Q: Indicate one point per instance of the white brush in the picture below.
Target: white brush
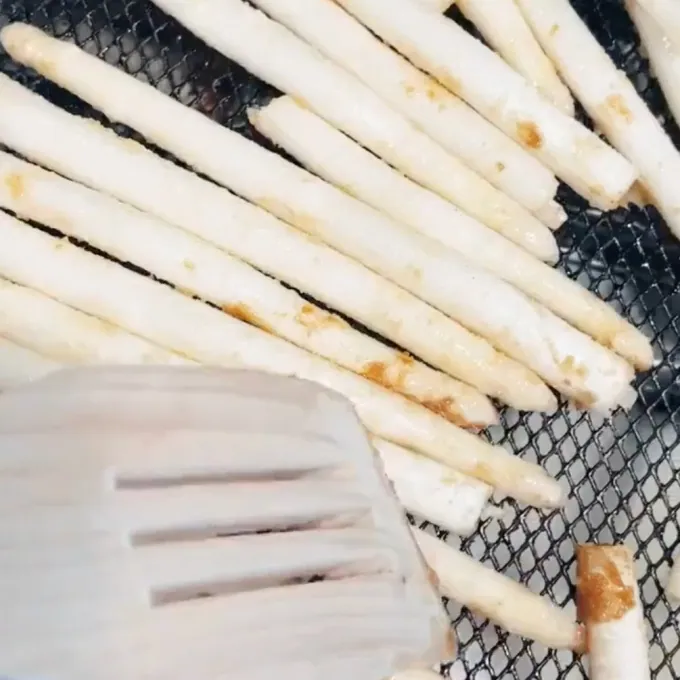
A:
(157, 538)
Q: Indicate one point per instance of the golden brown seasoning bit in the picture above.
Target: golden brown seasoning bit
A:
(500, 166)
(438, 95)
(616, 104)
(429, 88)
(16, 185)
(452, 84)
(602, 595)
(571, 368)
(529, 134)
(553, 29)
(315, 319)
(377, 372)
(188, 265)
(584, 400)
(391, 375)
(244, 313)
(303, 221)
(406, 360)
(447, 408)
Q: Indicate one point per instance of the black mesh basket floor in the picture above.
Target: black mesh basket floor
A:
(622, 472)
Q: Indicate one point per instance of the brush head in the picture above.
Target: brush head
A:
(164, 523)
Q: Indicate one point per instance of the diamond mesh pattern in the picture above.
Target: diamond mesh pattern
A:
(623, 472)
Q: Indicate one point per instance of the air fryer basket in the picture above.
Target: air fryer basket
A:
(622, 472)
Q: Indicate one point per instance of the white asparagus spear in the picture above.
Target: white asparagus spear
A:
(480, 77)
(166, 317)
(88, 153)
(609, 606)
(503, 601)
(338, 159)
(194, 266)
(19, 365)
(663, 53)
(278, 56)
(553, 215)
(501, 24)
(432, 491)
(610, 99)
(666, 14)
(66, 335)
(335, 157)
(419, 97)
(39, 335)
(673, 587)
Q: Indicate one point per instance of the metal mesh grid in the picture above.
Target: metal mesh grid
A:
(622, 472)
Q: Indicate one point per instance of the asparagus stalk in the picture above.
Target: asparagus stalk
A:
(430, 490)
(68, 336)
(497, 597)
